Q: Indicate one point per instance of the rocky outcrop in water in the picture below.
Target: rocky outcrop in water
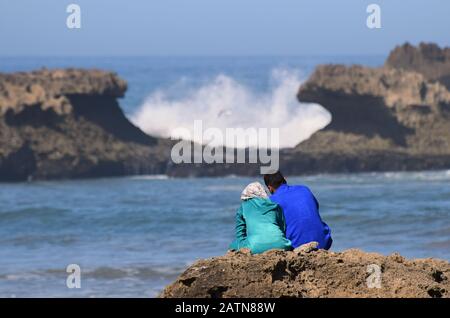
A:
(383, 119)
(308, 273)
(68, 124)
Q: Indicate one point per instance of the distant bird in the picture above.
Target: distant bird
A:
(224, 112)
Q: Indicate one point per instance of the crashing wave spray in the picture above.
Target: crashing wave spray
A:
(225, 103)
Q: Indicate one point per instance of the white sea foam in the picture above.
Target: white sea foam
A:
(151, 177)
(226, 103)
(439, 175)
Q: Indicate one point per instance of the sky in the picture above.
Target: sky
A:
(218, 27)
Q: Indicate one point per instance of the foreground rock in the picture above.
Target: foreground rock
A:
(68, 124)
(307, 273)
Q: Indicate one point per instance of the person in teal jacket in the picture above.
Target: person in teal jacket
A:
(260, 224)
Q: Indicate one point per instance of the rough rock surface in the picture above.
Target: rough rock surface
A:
(382, 119)
(428, 59)
(51, 89)
(399, 108)
(309, 273)
(68, 124)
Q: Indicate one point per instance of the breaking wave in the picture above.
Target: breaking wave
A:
(226, 103)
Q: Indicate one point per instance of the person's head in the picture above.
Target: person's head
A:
(253, 190)
(274, 180)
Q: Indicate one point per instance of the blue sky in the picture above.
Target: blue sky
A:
(218, 27)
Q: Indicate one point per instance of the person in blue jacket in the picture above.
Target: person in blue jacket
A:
(301, 212)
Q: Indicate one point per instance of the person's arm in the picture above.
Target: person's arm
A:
(281, 220)
(317, 206)
(315, 200)
(240, 231)
(241, 228)
(326, 227)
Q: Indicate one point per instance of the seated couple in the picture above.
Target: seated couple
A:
(285, 220)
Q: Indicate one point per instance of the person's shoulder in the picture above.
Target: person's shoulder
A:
(300, 187)
(266, 201)
(257, 200)
(302, 190)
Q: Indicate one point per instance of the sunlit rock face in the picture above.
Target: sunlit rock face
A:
(68, 124)
(427, 58)
(382, 119)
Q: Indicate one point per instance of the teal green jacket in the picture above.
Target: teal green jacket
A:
(260, 226)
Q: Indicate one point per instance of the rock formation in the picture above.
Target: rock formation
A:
(428, 59)
(382, 119)
(308, 273)
(68, 124)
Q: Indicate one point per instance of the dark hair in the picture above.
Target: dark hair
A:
(274, 179)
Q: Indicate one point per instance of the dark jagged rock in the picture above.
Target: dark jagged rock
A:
(428, 59)
(310, 274)
(68, 124)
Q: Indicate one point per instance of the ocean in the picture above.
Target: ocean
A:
(131, 236)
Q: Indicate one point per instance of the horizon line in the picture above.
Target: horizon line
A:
(196, 56)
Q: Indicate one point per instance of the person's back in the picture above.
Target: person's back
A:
(260, 226)
(301, 212)
(265, 225)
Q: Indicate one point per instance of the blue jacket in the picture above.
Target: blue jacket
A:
(301, 212)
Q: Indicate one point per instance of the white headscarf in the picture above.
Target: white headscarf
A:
(253, 190)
